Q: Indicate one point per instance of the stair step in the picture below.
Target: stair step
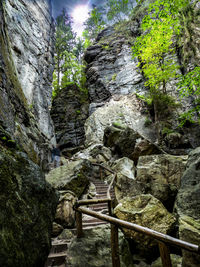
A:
(93, 224)
(57, 255)
(59, 248)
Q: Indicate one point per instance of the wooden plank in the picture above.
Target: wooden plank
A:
(79, 225)
(144, 230)
(115, 246)
(165, 254)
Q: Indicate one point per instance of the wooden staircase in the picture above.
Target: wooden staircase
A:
(59, 248)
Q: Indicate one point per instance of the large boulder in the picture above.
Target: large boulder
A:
(125, 183)
(160, 176)
(28, 205)
(65, 214)
(188, 207)
(119, 111)
(189, 230)
(147, 211)
(74, 176)
(127, 142)
(94, 250)
(95, 153)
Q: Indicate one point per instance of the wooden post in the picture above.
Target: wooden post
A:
(115, 246)
(110, 207)
(165, 254)
(79, 227)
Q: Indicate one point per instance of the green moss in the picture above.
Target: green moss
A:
(106, 47)
(114, 77)
(118, 124)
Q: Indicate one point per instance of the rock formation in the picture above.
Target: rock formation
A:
(28, 202)
(26, 54)
(69, 112)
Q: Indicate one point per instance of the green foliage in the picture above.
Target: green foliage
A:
(116, 9)
(118, 124)
(106, 47)
(94, 25)
(155, 49)
(64, 42)
(147, 99)
(155, 44)
(189, 87)
(114, 77)
(167, 131)
(69, 68)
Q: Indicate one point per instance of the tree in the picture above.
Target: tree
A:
(94, 25)
(164, 24)
(117, 9)
(64, 41)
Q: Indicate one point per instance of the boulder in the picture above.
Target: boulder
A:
(127, 142)
(125, 183)
(120, 111)
(147, 211)
(189, 230)
(72, 177)
(65, 214)
(57, 229)
(95, 153)
(160, 176)
(187, 207)
(93, 250)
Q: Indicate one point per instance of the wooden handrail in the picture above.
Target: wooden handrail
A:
(112, 181)
(110, 186)
(144, 230)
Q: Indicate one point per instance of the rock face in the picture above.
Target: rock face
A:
(27, 206)
(30, 30)
(161, 175)
(119, 111)
(111, 69)
(69, 112)
(25, 56)
(188, 206)
(28, 203)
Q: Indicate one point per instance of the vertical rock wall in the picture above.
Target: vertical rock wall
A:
(27, 202)
(27, 64)
(29, 27)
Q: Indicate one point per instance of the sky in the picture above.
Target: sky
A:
(78, 9)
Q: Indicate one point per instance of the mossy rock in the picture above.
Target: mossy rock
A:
(27, 205)
(73, 176)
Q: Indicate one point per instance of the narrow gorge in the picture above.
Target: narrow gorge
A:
(109, 129)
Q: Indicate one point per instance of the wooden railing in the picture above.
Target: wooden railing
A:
(163, 240)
